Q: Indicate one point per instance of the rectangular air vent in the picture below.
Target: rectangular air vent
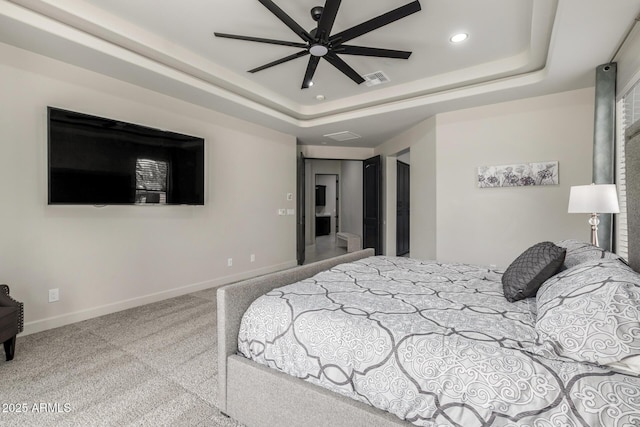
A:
(342, 136)
(376, 78)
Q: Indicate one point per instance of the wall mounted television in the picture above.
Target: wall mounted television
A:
(98, 161)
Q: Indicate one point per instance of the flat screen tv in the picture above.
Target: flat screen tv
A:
(98, 161)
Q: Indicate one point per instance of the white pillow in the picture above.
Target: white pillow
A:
(591, 313)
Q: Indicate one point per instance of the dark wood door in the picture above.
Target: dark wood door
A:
(402, 221)
(372, 209)
(300, 206)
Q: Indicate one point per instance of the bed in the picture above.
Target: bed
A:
(361, 340)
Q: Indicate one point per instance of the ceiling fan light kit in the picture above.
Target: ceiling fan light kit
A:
(319, 43)
(318, 50)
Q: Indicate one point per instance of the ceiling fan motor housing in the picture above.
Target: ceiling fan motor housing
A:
(316, 13)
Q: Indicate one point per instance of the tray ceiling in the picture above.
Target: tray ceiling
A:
(515, 49)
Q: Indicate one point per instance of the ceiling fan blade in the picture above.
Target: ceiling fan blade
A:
(375, 23)
(261, 40)
(288, 21)
(372, 51)
(342, 66)
(280, 61)
(328, 17)
(311, 70)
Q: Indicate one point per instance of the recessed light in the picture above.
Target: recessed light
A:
(459, 38)
(320, 97)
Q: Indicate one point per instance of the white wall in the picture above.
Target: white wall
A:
(628, 61)
(423, 194)
(454, 220)
(351, 183)
(421, 141)
(405, 157)
(389, 204)
(107, 259)
(493, 225)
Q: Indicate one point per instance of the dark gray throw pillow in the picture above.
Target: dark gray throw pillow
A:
(529, 271)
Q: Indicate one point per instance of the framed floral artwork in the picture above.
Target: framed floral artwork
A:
(518, 175)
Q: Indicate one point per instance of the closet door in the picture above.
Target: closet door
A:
(300, 206)
(402, 221)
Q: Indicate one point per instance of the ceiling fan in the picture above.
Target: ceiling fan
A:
(319, 43)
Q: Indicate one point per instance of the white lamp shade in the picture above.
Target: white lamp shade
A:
(594, 198)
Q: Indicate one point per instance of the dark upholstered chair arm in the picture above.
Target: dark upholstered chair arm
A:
(7, 301)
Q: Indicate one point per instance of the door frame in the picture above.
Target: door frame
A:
(372, 219)
(301, 205)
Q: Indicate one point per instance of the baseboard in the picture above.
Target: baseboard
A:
(89, 313)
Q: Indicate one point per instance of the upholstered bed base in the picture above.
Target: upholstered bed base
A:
(259, 396)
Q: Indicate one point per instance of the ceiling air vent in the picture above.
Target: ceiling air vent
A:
(376, 78)
(342, 136)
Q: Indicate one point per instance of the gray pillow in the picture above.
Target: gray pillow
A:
(579, 252)
(529, 271)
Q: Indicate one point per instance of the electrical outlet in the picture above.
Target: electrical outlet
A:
(229, 262)
(54, 295)
(253, 257)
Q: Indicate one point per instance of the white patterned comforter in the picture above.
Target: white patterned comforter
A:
(435, 344)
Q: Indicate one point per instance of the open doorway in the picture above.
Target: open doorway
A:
(335, 206)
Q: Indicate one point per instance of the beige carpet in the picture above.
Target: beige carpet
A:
(154, 365)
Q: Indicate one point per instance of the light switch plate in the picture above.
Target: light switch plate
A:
(54, 295)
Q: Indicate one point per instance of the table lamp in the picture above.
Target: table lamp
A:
(594, 199)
